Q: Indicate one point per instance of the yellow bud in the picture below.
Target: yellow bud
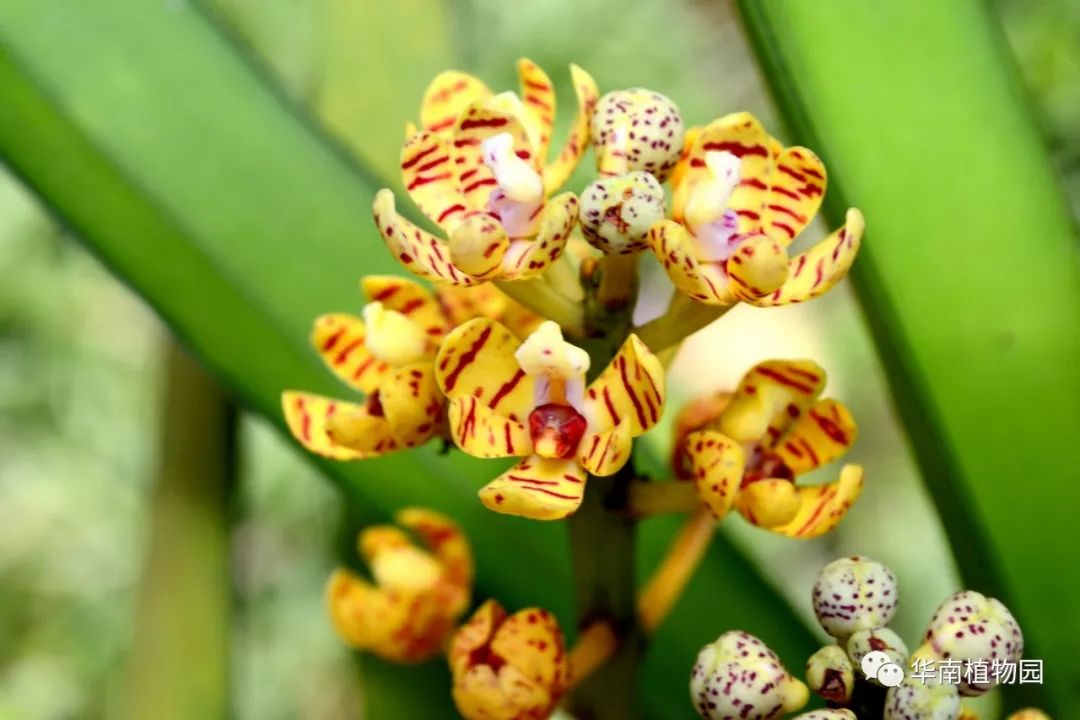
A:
(393, 337)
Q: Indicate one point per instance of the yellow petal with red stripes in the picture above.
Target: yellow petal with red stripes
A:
(427, 172)
(769, 398)
(768, 503)
(533, 643)
(412, 402)
(462, 304)
(447, 97)
(446, 541)
(537, 488)
(742, 135)
(562, 167)
(796, 189)
(475, 125)
(819, 436)
(822, 508)
(631, 388)
(816, 271)
(418, 250)
(538, 97)
(528, 258)
(674, 248)
(758, 267)
(339, 340)
(361, 428)
(604, 453)
(484, 433)
(477, 360)
(306, 416)
(479, 244)
(678, 174)
(409, 298)
(716, 465)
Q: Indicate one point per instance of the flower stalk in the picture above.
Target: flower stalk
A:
(669, 580)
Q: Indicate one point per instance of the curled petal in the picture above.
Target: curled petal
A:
(306, 416)
(674, 248)
(561, 168)
(444, 538)
(716, 465)
(538, 97)
(631, 388)
(604, 453)
(817, 270)
(340, 341)
(474, 634)
(769, 398)
(530, 257)
(447, 97)
(420, 251)
(478, 245)
(484, 433)
(427, 171)
(537, 488)
(411, 299)
(822, 508)
(477, 360)
(769, 502)
(796, 189)
(758, 267)
(533, 641)
(475, 125)
(411, 402)
(742, 135)
(818, 437)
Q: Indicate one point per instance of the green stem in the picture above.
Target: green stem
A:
(545, 300)
(179, 660)
(603, 543)
(683, 319)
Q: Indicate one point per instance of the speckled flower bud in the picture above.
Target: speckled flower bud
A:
(634, 130)
(972, 627)
(830, 674)
(864, 642)
(617, 212)
(837, 714)
(915, 701)
(854, 593)
(738, 676)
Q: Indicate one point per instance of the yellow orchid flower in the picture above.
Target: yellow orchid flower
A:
(774, 428)
(508, 668)
(478, 168)
(509, 398)
(388, 355)
(409, 613)
(740, 198)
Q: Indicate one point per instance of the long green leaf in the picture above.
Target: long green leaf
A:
(969, 279)
(155, 142)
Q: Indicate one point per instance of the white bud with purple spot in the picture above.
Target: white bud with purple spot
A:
(854, 593)
(739, 676)
(837, 714)
(972, 628)
(617, 212)
(637, 129)
(915, 700)
(876, 640)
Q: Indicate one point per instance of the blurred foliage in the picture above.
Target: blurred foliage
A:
(79, 360)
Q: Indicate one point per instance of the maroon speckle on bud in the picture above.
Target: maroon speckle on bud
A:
(556, 430)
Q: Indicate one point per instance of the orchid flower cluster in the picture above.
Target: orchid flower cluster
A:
(861, 674)
(525, 338)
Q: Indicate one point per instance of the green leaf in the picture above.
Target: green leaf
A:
(154, 140)
(969, 279)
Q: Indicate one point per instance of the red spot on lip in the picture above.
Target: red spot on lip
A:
(561, 425)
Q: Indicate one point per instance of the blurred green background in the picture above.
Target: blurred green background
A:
(88, 521)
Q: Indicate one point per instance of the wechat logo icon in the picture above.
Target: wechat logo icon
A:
(877, 665)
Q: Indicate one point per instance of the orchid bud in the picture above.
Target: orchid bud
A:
(918, 701)
(971, 627)
(880, 639)
(830, 674)
(636, 130)
(738, 676)
(617, 212)
(836, 714)
(854, 593)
